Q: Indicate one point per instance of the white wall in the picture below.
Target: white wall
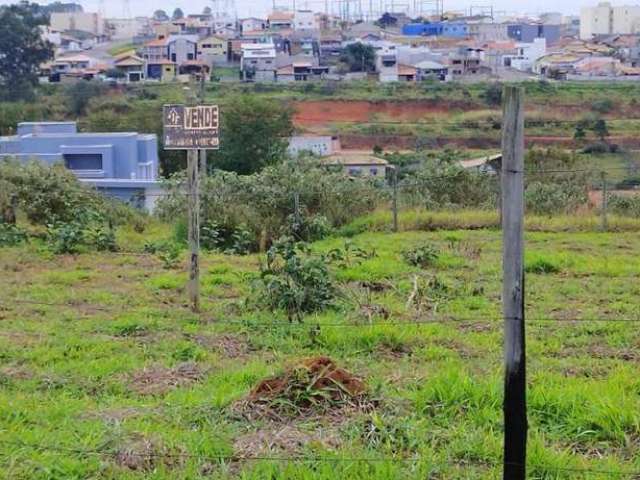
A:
(605, 19)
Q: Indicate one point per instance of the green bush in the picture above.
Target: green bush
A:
(294, 280)
(11, 235)
(549, 198)
(168, 252)
(252, 210)
(628, 206)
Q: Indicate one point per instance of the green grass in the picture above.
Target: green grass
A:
(67, 372)
(120, 49)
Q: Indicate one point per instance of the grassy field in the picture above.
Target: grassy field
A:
(105, 373)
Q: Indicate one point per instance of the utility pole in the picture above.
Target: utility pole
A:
(515, 384)
(605, 201)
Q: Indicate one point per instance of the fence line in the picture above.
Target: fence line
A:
(419, 320)
(302, 459)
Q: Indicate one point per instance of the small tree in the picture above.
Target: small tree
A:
(22, 49)
(160, 16)
(493, 94)
(359, 57)
(600, 129)
(254, 133)
(387, 20)
(177, 14)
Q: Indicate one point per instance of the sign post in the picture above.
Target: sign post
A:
(192, 128)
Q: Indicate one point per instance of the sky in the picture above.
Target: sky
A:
(261, 7)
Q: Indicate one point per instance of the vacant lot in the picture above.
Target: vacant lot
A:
(105, 374)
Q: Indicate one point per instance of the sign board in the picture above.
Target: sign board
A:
(190, 128)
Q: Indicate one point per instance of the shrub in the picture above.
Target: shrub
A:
(294, 280)
(11, 235)
(423, 256)
(549, 198)
(65, 237)
(624, 205)
(493, 94)
(254, 209)
(167, 251)
(603, 105)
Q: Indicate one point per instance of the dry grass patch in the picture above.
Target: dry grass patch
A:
(143, 454)
(158, 379)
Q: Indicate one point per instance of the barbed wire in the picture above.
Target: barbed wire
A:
(303, 459)
(420, 320)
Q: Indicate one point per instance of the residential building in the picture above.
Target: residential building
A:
(279, 21)
(330, 45)
(387, 64)
(606, 19)
(431, 70)
(258, 62)
(527, 32)
(526, 55)
(83, 21)
(132, 66)
(488, 32)
(358, 164)
(182, 48)
(301, 68)
(467, 62)
(155, 50)
(213, 50)
(303, 42)
(445, 29)
(252, 24)
(320, 146)
(74, 63)
(123, 165)
(305, 20)
(163, 70)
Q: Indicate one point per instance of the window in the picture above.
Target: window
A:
(83, 161)
(189, 56)
(373, 172)
(207, 45)
(354, 172)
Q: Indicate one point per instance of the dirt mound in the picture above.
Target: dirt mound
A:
(317, 385)
(158, 379)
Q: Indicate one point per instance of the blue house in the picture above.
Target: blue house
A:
(527, 33)
(122, 165)
(444, 29)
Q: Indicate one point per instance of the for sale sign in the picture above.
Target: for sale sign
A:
(191, 128)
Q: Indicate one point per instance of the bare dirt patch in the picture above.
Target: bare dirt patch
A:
(158, 379)
(15, 372)
(316, 386)
(143, 454)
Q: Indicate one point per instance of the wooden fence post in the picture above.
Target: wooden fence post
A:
(515, 405)
(605, 202)
(193, 208)
(394, 205)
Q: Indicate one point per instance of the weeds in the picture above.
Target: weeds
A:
(423, 256)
